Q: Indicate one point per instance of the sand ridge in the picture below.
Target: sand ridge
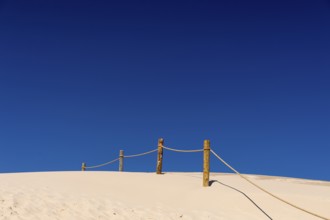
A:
(125, 195)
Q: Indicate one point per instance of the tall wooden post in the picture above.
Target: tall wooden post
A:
(160, 156)
(206, 167)
(83, 167)
(121, 160)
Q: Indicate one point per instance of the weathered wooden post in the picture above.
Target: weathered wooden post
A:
(121, 160)
(83, 167)
(206, 167)
(160, 156)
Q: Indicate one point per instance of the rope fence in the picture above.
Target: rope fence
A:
(100, 165)
(142, 154)
(206, 168)
(182, 151)
(120, 158)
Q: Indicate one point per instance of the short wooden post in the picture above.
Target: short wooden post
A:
(121, 160)
(83, 167)
(206, 167)
(160, 156)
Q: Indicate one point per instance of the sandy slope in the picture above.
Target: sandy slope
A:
(113, 195)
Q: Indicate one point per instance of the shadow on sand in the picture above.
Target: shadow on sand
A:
(246, 196)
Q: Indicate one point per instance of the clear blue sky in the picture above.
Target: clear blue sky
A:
(80, 80)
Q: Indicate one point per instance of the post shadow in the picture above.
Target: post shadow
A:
(237, 190)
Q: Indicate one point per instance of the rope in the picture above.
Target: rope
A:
(142, 154)
(103, 164)
(182, 151)
(264, 190)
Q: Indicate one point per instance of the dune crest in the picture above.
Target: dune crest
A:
(124, 195)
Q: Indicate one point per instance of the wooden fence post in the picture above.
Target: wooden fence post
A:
(121, 160)
(206, 167)
(83, 167)
(160, 156)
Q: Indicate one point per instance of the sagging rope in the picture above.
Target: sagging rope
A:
(264, 190)
(103, 164)
(142, 154)
(128, 156)
(183, 151)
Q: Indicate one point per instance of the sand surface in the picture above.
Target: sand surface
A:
(146, 196)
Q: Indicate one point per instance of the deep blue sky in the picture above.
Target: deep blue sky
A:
(80, 80)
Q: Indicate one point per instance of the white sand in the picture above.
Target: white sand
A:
(143, 196)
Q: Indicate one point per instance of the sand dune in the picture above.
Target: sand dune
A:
(146, 196)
